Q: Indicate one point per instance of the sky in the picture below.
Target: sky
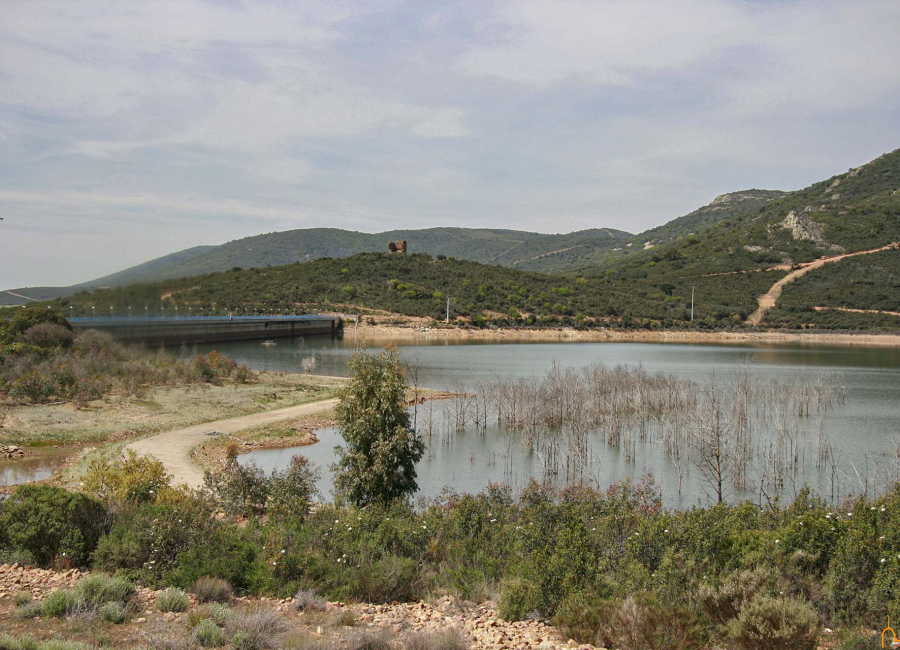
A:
(132, 129)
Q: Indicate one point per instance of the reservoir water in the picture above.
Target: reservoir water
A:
(864, 428)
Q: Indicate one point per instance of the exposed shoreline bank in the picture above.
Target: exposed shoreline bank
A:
(423, 332)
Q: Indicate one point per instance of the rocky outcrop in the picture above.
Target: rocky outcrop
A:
(397, 247)
(38, 582)
(803, 228)
(11, 451)
(725, 200)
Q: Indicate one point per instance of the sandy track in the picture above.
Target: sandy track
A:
(770, 298)
(858, 311)
(174, 448)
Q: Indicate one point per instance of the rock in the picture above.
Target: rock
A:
(803, 228)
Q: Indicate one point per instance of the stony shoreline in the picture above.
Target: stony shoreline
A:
(478, 623)
(422, 330)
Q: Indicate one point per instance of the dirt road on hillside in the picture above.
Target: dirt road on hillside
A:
(770, 298)
(174, 448)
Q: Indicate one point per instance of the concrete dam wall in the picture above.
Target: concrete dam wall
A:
(209, 328)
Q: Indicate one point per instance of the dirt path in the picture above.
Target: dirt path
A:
(858, 311)
(770, 298)
(19, 295)
(174, 448)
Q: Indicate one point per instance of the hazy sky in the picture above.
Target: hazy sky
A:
(129, 130)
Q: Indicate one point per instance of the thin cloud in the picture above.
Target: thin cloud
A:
(183, 122)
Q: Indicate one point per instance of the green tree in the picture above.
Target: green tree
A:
(53, 524)
(26, 318)
(378, 463)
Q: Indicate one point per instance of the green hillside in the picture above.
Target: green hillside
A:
(855, 211)
(418, 285)
(723, 208)
(528, 251)
(490, 246)
(727, 265)
(152, 270)
(820, 298)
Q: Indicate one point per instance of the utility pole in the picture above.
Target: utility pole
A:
(448, 309)
(692, 303)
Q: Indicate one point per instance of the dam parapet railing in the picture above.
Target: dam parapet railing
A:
(195, 329)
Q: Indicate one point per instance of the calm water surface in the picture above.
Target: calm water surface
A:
(865, 429)
(29, 468)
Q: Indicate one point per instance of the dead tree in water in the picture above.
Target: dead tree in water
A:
(712, 442)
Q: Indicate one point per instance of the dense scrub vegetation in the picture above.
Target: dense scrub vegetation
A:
(43, 360)
(856, 211)
(610, 277)
(512, 248)
(851, 212)
(417, 285)
(601, 564)
(610, 566)
(868, 282)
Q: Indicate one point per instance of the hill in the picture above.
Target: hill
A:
(830, 243)
(731, 261)
(418, 285)
(528, 251)
(413, 284)
(154, 269)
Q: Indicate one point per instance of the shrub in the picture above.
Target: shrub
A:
(60, 603)
(518, 599)
(308, 600)
(226, 555)
(183, 522)
(99, 588)
(49, 335)
(218, 613)
(21, 598)
(128, 479)
(578, 617)
(369, 640)
(240, 640)
(172, 600)
(641, 623)
(243, 375)
(30, 643)
(15, 556)
(160, 635)
(860, 641)
(767, 623)
(113, 612)
(383, 580)
(344, 618)
(96, 341)
(293, 491)
(53, 524)
(211, 590)
(126, 548)
(208, 634)
(241, 490)
(31, 610)
(29, 317)
(446, 640)
(724, 604)
(262, 627)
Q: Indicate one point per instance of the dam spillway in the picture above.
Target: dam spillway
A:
(196, 329)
